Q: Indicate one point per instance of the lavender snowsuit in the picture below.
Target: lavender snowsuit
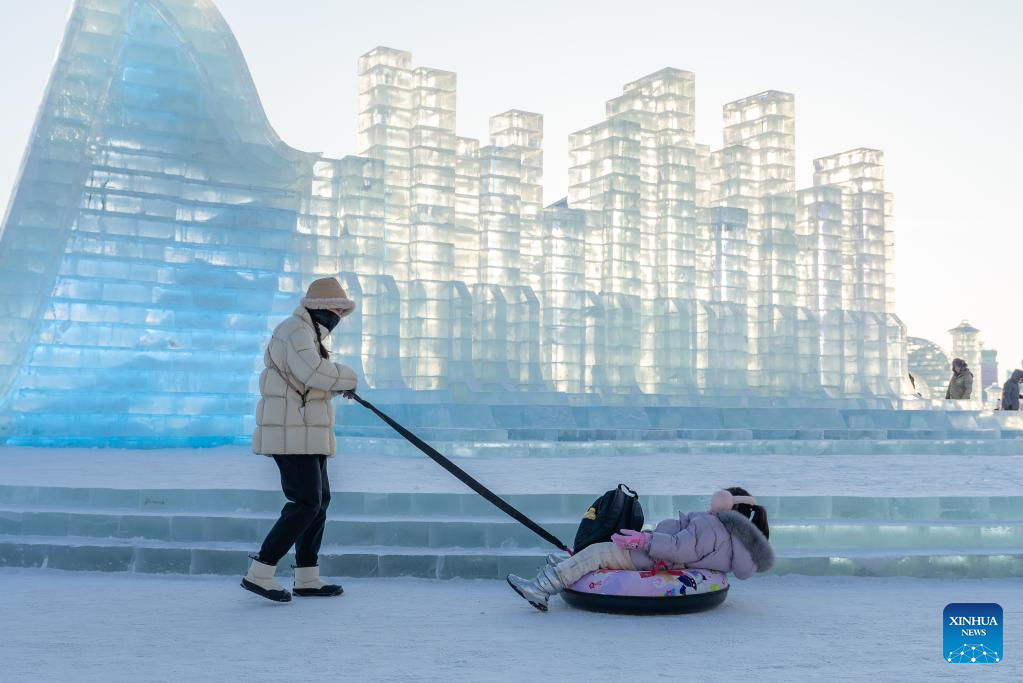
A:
(724, 542)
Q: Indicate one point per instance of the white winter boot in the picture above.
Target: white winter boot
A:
(308, 583)
(260, 580)
(538, 590)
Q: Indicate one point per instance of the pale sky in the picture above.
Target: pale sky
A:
(936, 85)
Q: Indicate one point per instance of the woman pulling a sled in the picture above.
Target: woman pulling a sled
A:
(295, 426)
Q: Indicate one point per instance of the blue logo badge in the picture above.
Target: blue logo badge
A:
(973, 633)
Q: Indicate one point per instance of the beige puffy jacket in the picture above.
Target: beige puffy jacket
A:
(283, 426)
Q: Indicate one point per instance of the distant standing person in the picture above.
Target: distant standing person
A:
(961, 385)
(295, 426)
(1010, 391)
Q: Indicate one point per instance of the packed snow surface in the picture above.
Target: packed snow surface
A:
(910, 474)
(85, 627)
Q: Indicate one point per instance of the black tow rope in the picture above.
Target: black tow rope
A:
(463, 476)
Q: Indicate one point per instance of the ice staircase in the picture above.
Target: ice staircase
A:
(566, 423)
(735, 428)
(447, 535)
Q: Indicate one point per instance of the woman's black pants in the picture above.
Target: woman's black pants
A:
(305, 484)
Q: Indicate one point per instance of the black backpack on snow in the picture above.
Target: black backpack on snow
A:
(613, 511)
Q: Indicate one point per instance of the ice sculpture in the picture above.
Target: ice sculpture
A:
(930, 366)
(755, 170)
(160, 228)
(819, 222)
(722, 285)
(563, 326)
(874, 335)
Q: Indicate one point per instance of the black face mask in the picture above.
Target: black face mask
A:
(328, 319)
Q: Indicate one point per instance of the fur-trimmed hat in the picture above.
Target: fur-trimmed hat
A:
(327, 292)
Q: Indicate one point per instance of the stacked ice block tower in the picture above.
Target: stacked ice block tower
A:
(875, 337)
(755, 171)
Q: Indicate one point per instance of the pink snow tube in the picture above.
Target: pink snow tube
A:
(659, 591)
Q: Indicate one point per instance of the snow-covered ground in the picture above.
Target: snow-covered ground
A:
(82, 627)
(767, 474)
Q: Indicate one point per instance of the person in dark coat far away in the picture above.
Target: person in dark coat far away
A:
(1010, 391)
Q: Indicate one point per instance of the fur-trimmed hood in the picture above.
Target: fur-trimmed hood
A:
(751, 538)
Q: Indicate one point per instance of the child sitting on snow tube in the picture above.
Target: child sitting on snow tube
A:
(730, 537)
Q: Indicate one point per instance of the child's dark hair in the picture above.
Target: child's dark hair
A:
(754, 513)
